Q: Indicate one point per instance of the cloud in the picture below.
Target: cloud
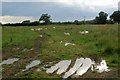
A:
(15, 19)
(90, 5)
(60, 10)
(74, 2)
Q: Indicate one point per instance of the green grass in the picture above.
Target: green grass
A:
(101, 42)
(18, 36)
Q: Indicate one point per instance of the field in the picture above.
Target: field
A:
(27, 45)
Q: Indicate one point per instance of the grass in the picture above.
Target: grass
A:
(101, 42)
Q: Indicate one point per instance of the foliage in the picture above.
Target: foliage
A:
(110, 21)
(115, 16)
(102, 18)
(26, 22)
(46, 18)
(76, 22)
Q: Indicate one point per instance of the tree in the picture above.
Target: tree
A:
(102, 18)
(115, 16)
(0, 24)
(26, 22)
(35, 23)
(110, 21)
(76, 22)
(46, 18)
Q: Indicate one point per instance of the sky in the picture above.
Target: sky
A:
(13, 11)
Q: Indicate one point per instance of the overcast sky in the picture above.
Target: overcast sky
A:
(60, 10)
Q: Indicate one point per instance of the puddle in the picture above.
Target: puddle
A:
(83, 69)
(64, 66)
(77, 64)
(61, 66)
(9, 61)
(80, 67)
(54, 68)
(32, 64)
(102, 67)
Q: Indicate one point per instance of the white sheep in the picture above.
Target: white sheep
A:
(61, 42)
(84, 32)
(39, 29)
(66, 44)
(41, 36)
(32, 29)
(53, 27)
(67, 34)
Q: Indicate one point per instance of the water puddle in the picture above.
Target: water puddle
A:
(64, 66)
(9, 61)
(81, 66)
(32, 64)
(77, 64)
(83, 69)
(61, 66)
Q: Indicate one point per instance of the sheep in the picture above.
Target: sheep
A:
(32, 29)
(66, 44)
(61, 42)
(41, 36)
(53, 27)
(86, 32)
(67, 34)
(38, 29)
(83, 32)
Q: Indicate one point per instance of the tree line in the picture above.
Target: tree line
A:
(45, 19)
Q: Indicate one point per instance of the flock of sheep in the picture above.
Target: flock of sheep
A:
(65, 33)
